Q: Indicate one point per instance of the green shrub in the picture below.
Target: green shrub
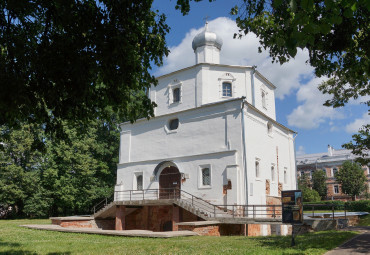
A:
(310, 195)
(358, 206)
(326, 205)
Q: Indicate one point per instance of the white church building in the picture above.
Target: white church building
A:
(214, 136)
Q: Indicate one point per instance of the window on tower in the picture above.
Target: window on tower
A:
(176, 95)
(226, 89)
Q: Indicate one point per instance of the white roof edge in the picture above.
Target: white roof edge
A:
(186, 110)
(211, 64)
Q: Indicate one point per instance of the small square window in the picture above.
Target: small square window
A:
(226, 89)
(272, 173)
(302, 173)
(176, 95)
(173, 124)
(206, 176)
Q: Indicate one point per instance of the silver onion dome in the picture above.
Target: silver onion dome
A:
(207, 38)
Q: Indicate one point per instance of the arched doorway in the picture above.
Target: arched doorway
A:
(169, 183)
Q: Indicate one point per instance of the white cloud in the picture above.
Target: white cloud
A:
(358, 123)
(300, 151)
(242, 52)
(311, 112)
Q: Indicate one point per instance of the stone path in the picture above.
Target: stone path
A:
(132, 233)
(359, 245)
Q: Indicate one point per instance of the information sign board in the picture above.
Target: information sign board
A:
(292, 206)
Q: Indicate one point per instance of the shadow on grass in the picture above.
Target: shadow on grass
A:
(11, 249)
(326, 240)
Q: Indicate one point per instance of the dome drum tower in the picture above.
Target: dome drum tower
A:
(207, 46)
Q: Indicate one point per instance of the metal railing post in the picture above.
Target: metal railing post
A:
(274, 215)
(214, 211)
(254, 211)
(313, 211)
(233, 212)
(130, 195)
(332, 208)
(192, 200)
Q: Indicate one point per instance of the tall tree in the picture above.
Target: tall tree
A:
(80, 172)
(66, 60)
(352, 179)
(319, 183)
(335, 33)
(20, 165)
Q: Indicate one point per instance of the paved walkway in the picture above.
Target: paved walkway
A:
(358, 245)
(132, 233)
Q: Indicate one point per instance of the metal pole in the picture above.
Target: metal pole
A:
(313, 211)
(332, 208)
(254, 211)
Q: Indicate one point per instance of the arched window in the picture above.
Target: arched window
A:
(263, 99)
(176, 95)
(257, 169)
(226, 89)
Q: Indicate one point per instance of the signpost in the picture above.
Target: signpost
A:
(292, 208)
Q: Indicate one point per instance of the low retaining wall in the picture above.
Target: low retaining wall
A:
(74, 222)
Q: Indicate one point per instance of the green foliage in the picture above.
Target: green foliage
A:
(352, 179)
(68, 178)
(69, 60)
(310, 195)
(326, 205)
(304, 182)
(359, 206)
(364, 221)
(319, 183)
(19, 165)
(360, 145)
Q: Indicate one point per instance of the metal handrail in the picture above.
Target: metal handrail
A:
(203, 206)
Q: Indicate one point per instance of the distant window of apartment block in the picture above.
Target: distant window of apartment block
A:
(336, 189)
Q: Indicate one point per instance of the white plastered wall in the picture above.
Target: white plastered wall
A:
(275, 148)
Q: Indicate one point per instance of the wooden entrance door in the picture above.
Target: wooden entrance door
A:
(169, 183)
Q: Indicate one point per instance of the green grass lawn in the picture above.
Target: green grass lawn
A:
(17, 240)
(364, 220)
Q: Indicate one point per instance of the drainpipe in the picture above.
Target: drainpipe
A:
(244, 154)
(295, 160)
(252, 84)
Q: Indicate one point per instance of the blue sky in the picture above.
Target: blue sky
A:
(298, 101)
